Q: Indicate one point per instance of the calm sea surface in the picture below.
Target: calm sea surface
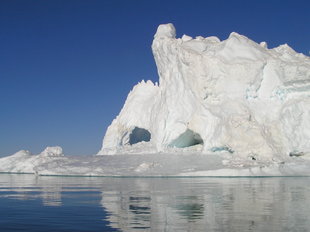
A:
(42, 203)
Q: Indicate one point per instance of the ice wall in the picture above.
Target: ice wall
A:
(233, 96)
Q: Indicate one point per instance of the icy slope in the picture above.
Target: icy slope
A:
(235, 96)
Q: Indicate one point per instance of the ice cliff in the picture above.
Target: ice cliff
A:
(233, 96)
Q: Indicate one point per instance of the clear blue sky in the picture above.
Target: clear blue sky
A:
(66, 66)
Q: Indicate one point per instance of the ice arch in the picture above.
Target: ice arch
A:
(187, 139)
(138, 135)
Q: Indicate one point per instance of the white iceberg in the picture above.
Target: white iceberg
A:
(231, 107)
(233, 95)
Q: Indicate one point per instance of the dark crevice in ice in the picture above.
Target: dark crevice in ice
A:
(296, 153)
(222, 148)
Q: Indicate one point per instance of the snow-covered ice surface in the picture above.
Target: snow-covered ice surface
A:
(159, 164)
(221, 108)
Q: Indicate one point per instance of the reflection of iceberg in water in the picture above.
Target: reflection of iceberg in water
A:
(51, 190)
(154, 204)
(51, 197)
(207, 204)
(130, 211)
(26, 187)
(174, 204)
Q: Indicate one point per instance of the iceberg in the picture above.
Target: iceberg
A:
(233, 95)
(220, 108)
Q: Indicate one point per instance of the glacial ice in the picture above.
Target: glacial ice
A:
(231, 107)
(233, 94)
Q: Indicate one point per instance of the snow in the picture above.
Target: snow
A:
(221, 108)
(174, 163)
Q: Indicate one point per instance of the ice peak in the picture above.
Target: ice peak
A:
(52, 151)
(285, 48)
(263, 44)
(234, 37)
(186, 38)
(235, 34)
(165, 31)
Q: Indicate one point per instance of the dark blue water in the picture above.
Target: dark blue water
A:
(38, 203)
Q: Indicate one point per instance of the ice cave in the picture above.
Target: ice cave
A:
(187, 139)
(139, 135)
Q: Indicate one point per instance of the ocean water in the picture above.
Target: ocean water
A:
(46, 203)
